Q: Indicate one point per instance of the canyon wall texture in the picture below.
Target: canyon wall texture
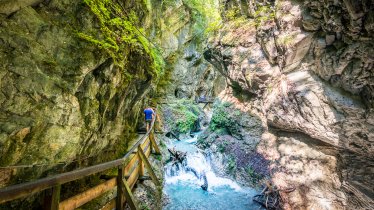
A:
(74, 78)
(306, 69)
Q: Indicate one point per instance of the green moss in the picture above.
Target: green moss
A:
(184, 116)
(233, 13)
(222, 147)
(231, 164)
(221, 118)
(286, 39)
(119, 34)
(144, 206)
(205, 16)
(264, 14)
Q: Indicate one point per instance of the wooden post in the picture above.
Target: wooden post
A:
(129, 197)
(154, 144)
(141, 164)
(119, 198)
(56, 190)
(148, 166)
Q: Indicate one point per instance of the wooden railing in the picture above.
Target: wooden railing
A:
(130, 169)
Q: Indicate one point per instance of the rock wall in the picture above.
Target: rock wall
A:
(75, 76)
(183, 39)
(306, 69)
(66, 100)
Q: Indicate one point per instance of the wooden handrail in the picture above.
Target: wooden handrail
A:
(24, 189)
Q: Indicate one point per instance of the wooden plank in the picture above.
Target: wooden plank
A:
(146, 143)
(154, 144)
(149, 167)
(22, 190)
(119, 198)
(135, 180)
(112, 203)
(141, 167)
(148, 152)
(106, 186)
(134, 161)
(144, 146)
(133, 177)
(56, 190)
(88, 195)
(129, 197)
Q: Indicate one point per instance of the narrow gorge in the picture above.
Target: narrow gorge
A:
(265, 104)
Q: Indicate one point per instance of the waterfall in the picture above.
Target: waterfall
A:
(193, 184)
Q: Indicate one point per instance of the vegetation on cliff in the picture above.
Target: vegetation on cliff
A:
(182, 116)
(120, 33)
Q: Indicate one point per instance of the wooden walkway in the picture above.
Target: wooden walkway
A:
(130, 169)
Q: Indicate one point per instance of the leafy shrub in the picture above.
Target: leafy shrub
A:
(231, 165)
(222, 147)
(183, 116)
(263, 14)
(220, 117)
(205, 15)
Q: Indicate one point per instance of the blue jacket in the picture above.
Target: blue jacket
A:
(148, 113)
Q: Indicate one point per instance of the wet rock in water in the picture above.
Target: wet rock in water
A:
(205, 185)
(177, 156)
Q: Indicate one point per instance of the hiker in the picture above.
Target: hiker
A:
(149, 115)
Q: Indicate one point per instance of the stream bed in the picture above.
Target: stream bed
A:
(183, 183)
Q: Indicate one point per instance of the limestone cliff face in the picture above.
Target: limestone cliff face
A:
(183, 40)
(306, 69)
(65, 98)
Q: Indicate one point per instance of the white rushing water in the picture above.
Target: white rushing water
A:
(183, 183)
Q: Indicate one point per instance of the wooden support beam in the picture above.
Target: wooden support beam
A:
(141, 167)
(119, 198)
(133, 177)
(129, 197)
(133, 160)
(88, 195)
(56, 190)
(154, 144)
(148, 166)
(141, 164)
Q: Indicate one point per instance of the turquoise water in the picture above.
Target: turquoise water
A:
(182, 186)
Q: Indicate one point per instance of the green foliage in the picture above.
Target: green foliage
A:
(202, 142)
(205, 16)
(118, 34)
(158, 157)
(263, 14)
(144, 206)
(162, 144)
(285, 39)
(233, 13)
(185, 116)
(222, 147)
(168, 3)
(255, 177)
(220, 117)
(231, 164)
